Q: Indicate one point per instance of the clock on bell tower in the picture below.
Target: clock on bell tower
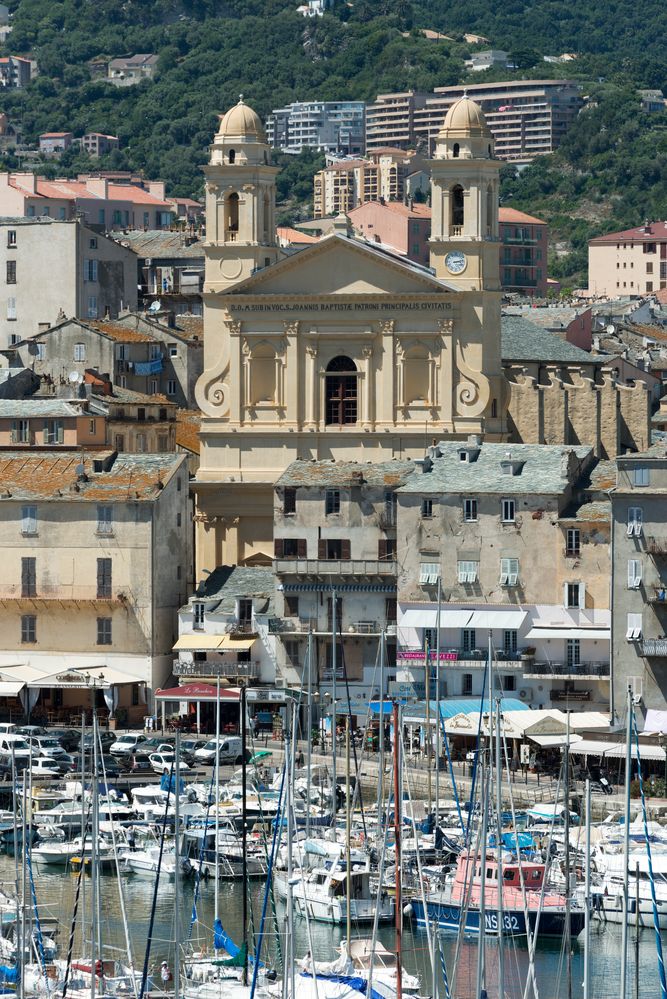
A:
(464, 197)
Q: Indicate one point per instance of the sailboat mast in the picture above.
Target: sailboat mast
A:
(626, 845)
(334, 667)
(587, 892)
(484, 802)
(244, 834)
(397, 849)
(177, 865)
(348, 832)
(381, 729)
(93, 862)
(437, 708)
(568, 927)
(216, 904)
(309, 731)
(499, 855)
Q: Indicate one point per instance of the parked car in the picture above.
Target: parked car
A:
(229, 749)
(163, 762)
(31, 730)
(14, 746)
(68, 738)
(44, 766)
(105, 739)
(189, 746)
(157, 744)
(127, 744)
(46, 745)
(136, 763)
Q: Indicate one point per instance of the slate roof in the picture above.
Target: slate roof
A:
(24, 409)
(522, 340)
(229, 582)
(159, 244)
(53, 476)
(544, 470)
(345, 473)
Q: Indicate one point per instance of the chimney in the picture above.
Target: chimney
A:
(98, 186)
(26, 180)
(157, 188)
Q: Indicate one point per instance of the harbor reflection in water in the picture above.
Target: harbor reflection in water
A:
(56, 892)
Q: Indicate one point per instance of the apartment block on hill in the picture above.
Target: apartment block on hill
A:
(527, 118)
(55, 143)
(331, 126)
(98, 144)
(346, 184)
(631, 262)
(51, 269)
(100, 538)
(96, 200)
(15, 72)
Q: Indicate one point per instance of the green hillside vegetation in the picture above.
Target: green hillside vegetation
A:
(610, 172)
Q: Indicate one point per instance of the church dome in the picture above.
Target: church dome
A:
(465, 118)
(242, 124)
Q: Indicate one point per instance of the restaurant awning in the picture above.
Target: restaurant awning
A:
(197, 642)
(497, 618)
(583, 634)
(10, 689)
(591, 747)
(427, 617)
(554, 740)
(617, 751)
(197, 692)
(78, 677)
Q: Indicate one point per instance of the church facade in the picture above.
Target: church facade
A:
(343, 350)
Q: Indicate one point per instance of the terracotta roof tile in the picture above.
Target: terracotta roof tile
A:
(295, 235)
(640, 234)
(120, 333)
(514, 215)
(188, 422)
(50, 476)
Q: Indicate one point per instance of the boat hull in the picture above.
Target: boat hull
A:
(448, 916)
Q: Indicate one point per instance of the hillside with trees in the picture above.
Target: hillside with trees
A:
(611, 170)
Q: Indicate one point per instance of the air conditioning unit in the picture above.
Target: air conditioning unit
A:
(526, 694)
(281, 682)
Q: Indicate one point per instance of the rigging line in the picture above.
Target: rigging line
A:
(654, 903)
(121, 895)
(198, 872)
(354, 748)
(473, 779)
(269, 881)
(465, 908)
(38, 925)
(70, 946)
(376, 916)
(530, 938)
(429, 931)
(151, 923)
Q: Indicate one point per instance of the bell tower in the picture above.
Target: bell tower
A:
(240, 200)
(464, 199)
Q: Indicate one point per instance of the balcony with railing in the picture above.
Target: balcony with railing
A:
(315, 567)
(470, 658)
(348, 627)
(572, 671)
(244, 628)
(51, 595)
(657, 595)
(217, 668)
(654, 648)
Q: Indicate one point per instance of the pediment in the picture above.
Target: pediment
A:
(339, 265)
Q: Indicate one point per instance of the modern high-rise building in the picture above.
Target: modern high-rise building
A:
(331, 126)
(346, 184)
(527, 118)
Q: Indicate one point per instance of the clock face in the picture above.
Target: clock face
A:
(455, 262)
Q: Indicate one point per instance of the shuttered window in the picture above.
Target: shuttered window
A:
(104, 578)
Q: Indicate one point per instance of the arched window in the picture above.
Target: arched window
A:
(266, 219)
(341, 392)
(456, 150)
(489, 209)
(456, 205)
(231, 156)
(232, 216)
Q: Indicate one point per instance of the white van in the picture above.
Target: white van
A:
(14, 744)
(6, 727)
(230, 750)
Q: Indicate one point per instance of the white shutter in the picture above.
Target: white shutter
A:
(565, 587)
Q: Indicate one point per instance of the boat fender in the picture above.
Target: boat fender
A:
(427, 884)
(407, 909)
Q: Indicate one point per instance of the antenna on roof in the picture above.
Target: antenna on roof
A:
(75, 378)
(155, 306)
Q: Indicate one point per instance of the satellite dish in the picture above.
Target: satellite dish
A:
(80, 469)
(611, 329)
(75, 378)
(155, 306)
